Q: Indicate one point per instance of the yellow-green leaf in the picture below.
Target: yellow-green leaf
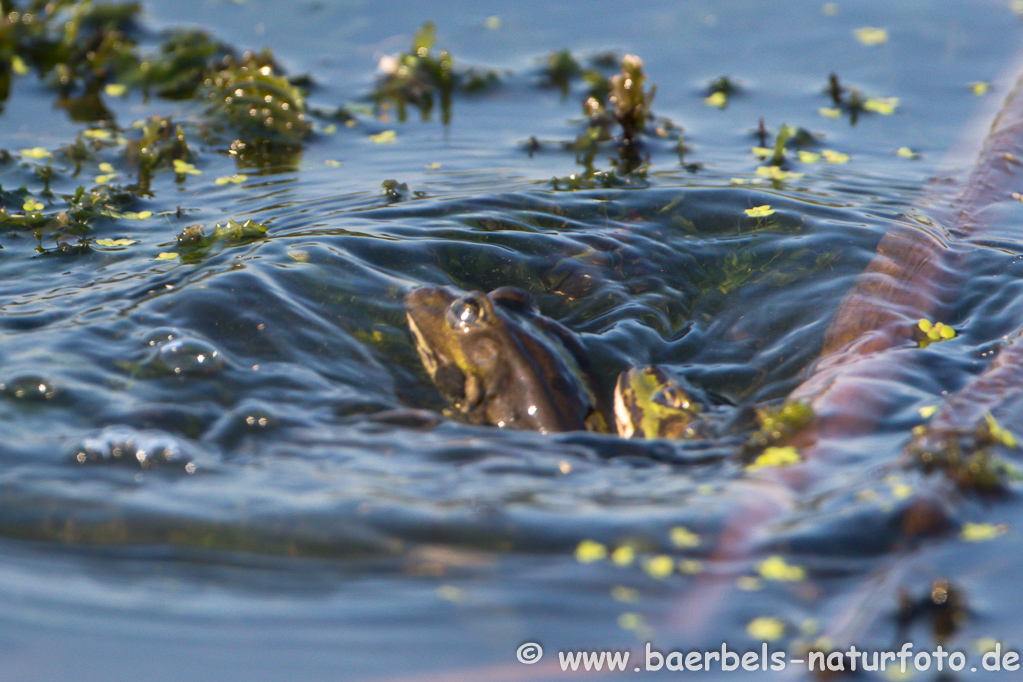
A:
(832, 156)
(881, 105)
(776, 173)
(589, 551)
(185, 168)
(18, 65)
(116, 242)
(765, 629)
(716, 99)
(869, 35)
(999, 432)
(31, 205)
(115, 89)
(980, 532)
(237, 179)
(775, 568)
(829, 112)
(386, 137)
(901, 491)
(683, 537)
(660, 566)
(36, 153)
(167, 255)
(623, 556)
(759, 211)
(775, 457)
(631, 621)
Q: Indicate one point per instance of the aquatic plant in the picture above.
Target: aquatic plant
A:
(617, 110)
(776, 425)
(966, 456)
(161, 143)
(181, 66)
(78, 45)
(259, 105)
(627, 100)
(854, 102)
(418, 77)
(194, 243)
(560, 70)
(927, 332)
(719, 91)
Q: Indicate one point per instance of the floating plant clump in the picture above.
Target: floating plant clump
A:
(420, 78)
(256, 102)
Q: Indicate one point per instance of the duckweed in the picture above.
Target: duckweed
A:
(982, 532)
(776, 568)
(683, 537)
(775, 457)
(623, 555)
(660, 566)
(589, 551)
(928, 332)
(759, 211)
(766, 629)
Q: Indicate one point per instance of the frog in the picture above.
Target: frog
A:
(496, 360)
(650, 403)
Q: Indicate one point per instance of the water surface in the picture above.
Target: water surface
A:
(312, 515)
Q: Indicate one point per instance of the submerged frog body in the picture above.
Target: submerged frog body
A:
(650, 404)
(497, 361)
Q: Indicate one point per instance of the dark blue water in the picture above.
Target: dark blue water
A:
(229, 464)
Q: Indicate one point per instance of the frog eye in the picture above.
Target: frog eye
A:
(467, 311)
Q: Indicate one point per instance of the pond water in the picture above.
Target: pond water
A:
(222, 458)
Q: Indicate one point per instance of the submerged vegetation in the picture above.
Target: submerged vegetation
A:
(421, 79)
(971, 458)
